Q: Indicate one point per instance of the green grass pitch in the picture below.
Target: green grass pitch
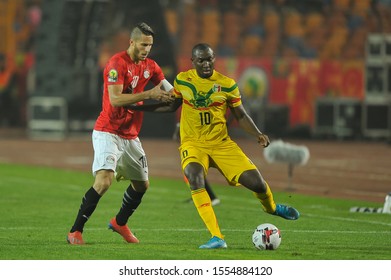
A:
(38, 206)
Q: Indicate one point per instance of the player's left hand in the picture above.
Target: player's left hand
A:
(263, 140)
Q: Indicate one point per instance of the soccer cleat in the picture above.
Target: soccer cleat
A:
(75, 238)
(214, 243)
(124, 231)
(286, 212)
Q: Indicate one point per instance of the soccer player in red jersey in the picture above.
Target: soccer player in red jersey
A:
(117, 149)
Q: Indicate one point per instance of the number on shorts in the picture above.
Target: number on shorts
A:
(143, 161)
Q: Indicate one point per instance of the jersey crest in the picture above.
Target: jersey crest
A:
(201, 99)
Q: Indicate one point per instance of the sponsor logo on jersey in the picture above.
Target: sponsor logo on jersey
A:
(113, 75)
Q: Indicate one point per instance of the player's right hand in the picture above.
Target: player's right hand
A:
(159, 94)
(263, 140)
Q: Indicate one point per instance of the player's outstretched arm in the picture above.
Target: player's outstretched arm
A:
(118, 99)
(248, 125)
(162, 107)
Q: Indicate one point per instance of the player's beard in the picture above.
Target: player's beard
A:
(138, 54)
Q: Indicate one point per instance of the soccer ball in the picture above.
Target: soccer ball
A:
(266, 237)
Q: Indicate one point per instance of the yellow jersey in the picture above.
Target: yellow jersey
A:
(204, 106)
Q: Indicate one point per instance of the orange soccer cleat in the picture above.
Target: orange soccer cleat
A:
(75, 238)
(124, 231)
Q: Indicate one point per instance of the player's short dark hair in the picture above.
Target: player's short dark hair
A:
(142, 28)
(200, 47)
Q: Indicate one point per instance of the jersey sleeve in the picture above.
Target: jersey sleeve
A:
(177, 92)
(233, 93)
(114, 71)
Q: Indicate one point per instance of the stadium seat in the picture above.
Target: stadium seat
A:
(171, 17)
(210, 27)
(341, 5)
(271, 22)
(313, 21)
(293, 25)
(251, 46)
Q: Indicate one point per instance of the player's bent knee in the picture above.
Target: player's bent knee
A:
(101, 187)
(196, 181)
(261, 188)
(253, 181)
(103, 181)
(140, 186)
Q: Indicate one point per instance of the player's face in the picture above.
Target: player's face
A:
(142, 47)
(203, 62)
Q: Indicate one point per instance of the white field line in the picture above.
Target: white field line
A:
(350, 219)
(201, 230)
(158, 190)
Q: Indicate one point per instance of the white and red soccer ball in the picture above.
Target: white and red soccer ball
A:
(266, 237)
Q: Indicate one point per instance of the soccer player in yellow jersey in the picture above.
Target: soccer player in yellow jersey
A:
(205, 96)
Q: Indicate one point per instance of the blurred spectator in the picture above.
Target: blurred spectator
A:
(34, 15)
(17, 61)
(8, 93)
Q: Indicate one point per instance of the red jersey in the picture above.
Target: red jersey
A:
(121, 70)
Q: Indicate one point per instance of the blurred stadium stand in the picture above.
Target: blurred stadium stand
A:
(58, 48)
